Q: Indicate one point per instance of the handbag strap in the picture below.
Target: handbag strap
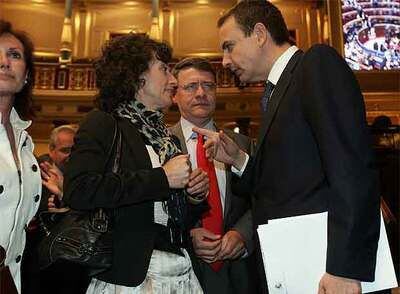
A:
(117, 140)
(100, 216)
(117, 158)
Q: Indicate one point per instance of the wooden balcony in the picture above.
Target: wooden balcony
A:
(65, 95)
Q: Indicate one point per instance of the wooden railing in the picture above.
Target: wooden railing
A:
(81, 76)
(65, 95)
(75, 77)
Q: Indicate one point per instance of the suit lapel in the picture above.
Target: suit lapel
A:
(228, 195)
(277, 95)
(227, 200)
(177, 131)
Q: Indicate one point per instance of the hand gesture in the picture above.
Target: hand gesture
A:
(198, 185)
(53, 207)
(222, 148)
(52, 178)
(206, 244)
(232, 245)
(178, 171)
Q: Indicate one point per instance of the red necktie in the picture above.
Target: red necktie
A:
(212, 219)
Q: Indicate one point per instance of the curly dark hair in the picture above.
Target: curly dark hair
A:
(249, 12)
(23, 99)
(121, 65)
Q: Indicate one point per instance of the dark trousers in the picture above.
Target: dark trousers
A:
(235, 277)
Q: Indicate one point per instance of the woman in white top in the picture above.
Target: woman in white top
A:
(20, 183)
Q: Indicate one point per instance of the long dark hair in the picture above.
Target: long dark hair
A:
(23, 99)
(121, 65)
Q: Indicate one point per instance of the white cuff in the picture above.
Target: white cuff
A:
(240, 172)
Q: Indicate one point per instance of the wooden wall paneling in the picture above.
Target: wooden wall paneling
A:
(112, 19)
(195, 29)
(46, 33)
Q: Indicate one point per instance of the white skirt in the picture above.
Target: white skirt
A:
(168, 274)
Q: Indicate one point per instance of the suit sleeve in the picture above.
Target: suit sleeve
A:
(334, 109)
(244, 185)
(89, 184)
(244, 224)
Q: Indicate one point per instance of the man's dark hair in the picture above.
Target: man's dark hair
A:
(198, 63)
(248, 13)
(23, 99)
(119, 69)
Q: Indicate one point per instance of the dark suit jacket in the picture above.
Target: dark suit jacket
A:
(237, 216)
(131, 192)
(313, 155)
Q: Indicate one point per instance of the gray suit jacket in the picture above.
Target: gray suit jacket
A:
(237, 212)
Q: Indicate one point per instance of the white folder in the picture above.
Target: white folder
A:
(294, 255)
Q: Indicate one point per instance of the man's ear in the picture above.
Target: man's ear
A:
(261, 34)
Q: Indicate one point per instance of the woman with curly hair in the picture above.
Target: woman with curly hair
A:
(20, 183)
(148, 194)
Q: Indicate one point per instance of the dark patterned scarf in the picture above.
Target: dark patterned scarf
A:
(153, 131)
(152, 128)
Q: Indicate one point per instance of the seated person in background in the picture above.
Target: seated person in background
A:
(61, 141)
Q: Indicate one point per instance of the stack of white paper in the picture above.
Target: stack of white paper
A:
(294, 255)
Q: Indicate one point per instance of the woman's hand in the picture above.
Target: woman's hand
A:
(53, 207)
(198, 185)
(178, 171)
(52, 178)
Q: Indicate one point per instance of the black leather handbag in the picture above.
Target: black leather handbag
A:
(82, 237)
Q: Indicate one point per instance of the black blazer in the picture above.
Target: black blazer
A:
(131, 192)
(313, 155)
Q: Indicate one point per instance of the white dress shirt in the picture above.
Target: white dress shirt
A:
(280, 64)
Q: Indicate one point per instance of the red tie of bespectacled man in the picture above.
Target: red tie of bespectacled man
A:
(212, 220)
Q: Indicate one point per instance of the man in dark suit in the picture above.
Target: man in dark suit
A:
(195, 98)
(313, 152)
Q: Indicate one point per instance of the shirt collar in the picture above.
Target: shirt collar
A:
(16, 121)
(187, 128)
(280, 64)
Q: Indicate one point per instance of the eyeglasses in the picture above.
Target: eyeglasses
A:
(193, 87)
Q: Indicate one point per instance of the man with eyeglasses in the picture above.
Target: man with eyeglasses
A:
(222, 240)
